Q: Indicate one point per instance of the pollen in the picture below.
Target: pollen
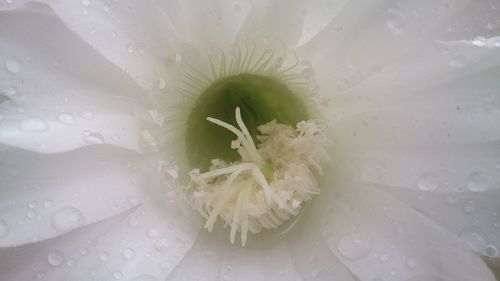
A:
(269, 184)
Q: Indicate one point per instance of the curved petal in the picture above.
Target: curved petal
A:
(214, 21)
(473, 216)
(59, 94)
(373, 233)
(136, 36)
(140, 243)
(275, 22)
(44, 195)
(365, 37)
(440, 168)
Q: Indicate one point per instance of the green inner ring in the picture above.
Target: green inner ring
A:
(261, 100)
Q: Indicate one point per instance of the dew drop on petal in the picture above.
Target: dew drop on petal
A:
(33, 124)
(67, 219)
(490, 251)
(13, 65)
(66, 118)
(411, 262)
(55, 258)
(32, 204)
(428, 182)
(355, 246)
(70, 262)
(117, 275)
(87, 114)
(452, 198)
(162, 84)
(162, 245)
(470, 206)
(4, 229)
(474, 238)
(128, 253)
(104, 256)
(478, 182)
(458, 61)
(93, 138)
(48, 203)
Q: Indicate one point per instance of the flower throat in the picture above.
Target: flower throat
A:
(261, 99)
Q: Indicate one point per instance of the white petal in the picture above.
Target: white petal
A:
(44, 195)
(138, 243)
(58, 93)
(136, 36)
(278, 22)
(364, 38)
(473, 216)
(213, 21)
(440, 168)
(379, 237)
(312, 258)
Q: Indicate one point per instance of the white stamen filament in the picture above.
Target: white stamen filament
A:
(241, 194)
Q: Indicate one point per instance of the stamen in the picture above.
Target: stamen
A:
(269, 184)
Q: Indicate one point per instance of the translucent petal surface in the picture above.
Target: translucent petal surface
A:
(375, 234)
(46, 195)
(136, 36)
(136, 244)
(57, 93)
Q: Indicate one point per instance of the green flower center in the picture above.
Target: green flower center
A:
(261, 100)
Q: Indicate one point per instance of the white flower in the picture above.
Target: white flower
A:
(410, 90)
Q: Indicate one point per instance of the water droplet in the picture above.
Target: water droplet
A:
(452, 198)
(66, 118)
(117, 275)
(162, 84)
(411, 262)
(4, 229)
(162, 245)
(384, 257)
(11, 91)
(48, 203)
(428, 182)
(355, 246)
(32, 204)
(94, 138)
(316, 272)
(106, 8)
(152, 233)
(87, 114)
(33, 124)
(470, 206)
(128, 253)
(71, 262)
(458, 61)
(67, 219)
(145, 278)
(396, 21)
(84, 251)
(130, 48)
(133, 221)
(474, 238)
(86, 2)
(177, 57)
(55, 258)
(490, 251)
(478, 182)
(104, 256)
(13, 65)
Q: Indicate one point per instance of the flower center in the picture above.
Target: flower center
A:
(261, 100)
